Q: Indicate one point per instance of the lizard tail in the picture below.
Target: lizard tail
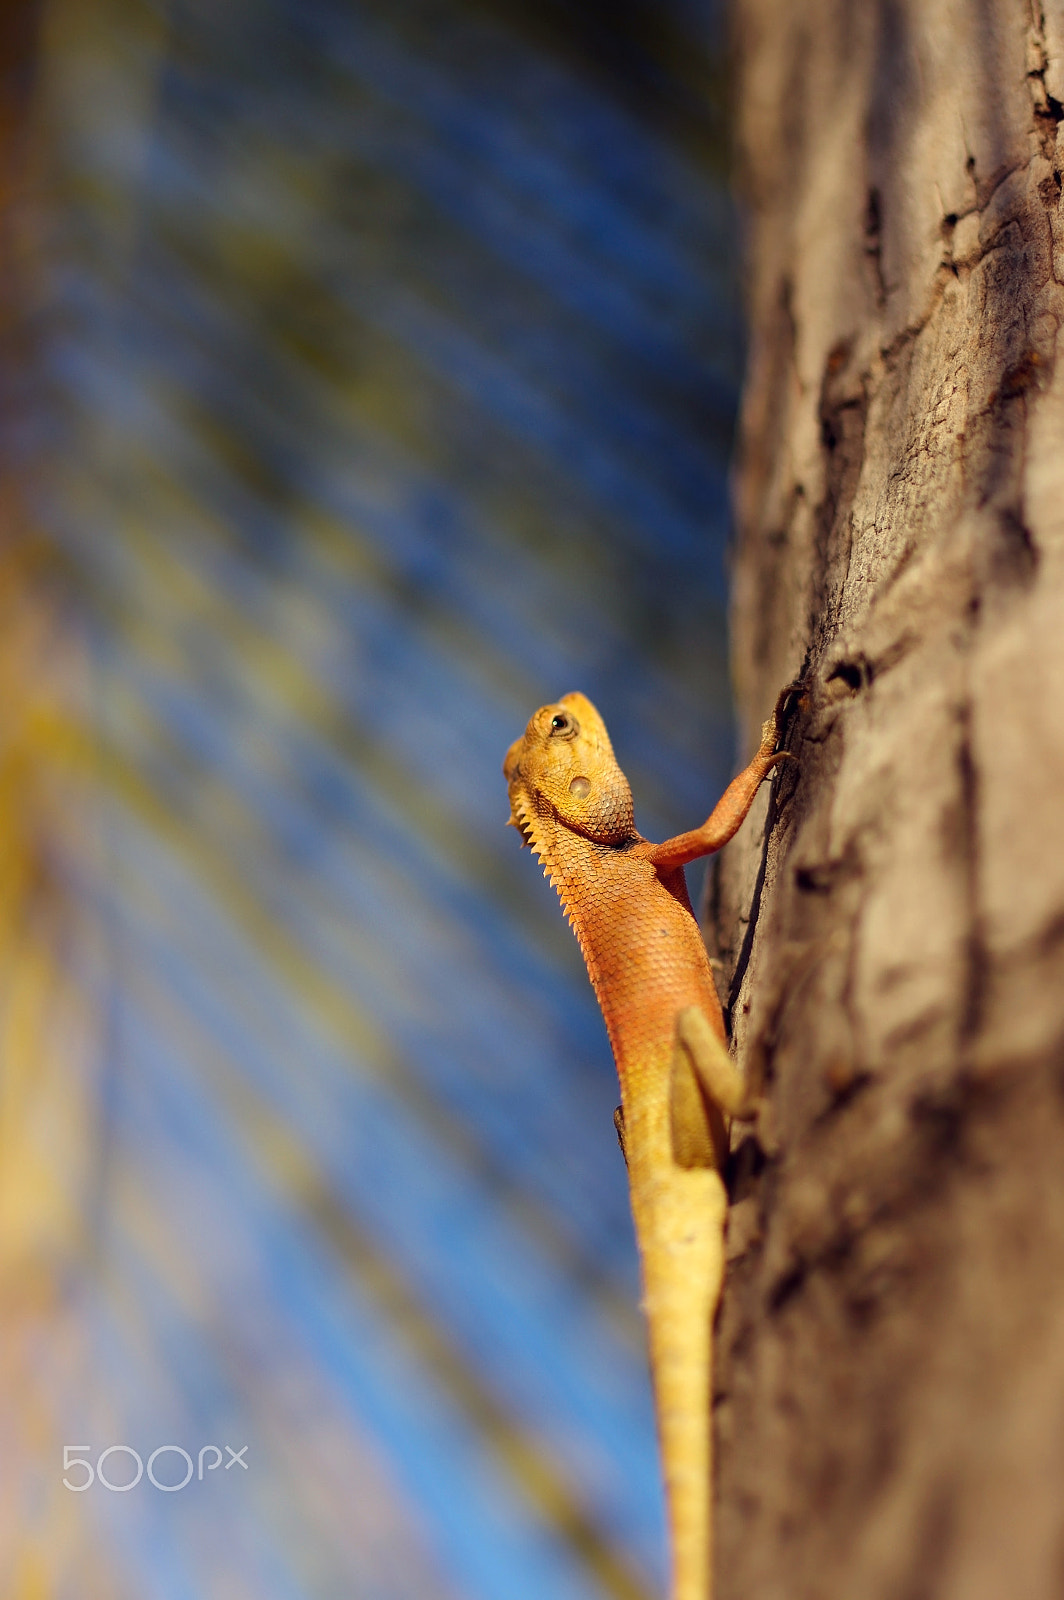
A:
(682, 1248)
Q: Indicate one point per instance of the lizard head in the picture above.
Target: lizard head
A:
(563, 770)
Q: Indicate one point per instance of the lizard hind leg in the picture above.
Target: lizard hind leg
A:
(704, 1087)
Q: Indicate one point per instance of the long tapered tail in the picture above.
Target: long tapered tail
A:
(680, 1224)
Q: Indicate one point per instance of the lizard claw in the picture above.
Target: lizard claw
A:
(796, 686)
(771, 729)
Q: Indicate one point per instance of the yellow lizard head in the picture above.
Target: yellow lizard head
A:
(563, 769)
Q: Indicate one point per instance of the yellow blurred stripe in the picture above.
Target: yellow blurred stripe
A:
(50, 1050)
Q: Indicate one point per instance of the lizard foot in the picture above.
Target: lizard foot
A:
(771, 728)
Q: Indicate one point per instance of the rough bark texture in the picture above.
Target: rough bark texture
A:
(890, 1388)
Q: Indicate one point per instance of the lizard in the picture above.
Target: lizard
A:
(628, 904)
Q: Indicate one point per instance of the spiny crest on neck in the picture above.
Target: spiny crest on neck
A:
(533, 830)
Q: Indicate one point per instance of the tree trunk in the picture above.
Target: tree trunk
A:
(890, 1385)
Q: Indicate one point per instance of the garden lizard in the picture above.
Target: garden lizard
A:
(628, 904)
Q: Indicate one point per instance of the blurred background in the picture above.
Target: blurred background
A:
(367, 376)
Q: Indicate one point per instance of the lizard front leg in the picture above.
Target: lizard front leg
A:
(731, 809)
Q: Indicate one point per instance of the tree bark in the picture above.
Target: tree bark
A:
(890, 1385)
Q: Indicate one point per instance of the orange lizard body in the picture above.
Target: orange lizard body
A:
(627, 901)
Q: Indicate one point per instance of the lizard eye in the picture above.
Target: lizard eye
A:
(564, 725)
